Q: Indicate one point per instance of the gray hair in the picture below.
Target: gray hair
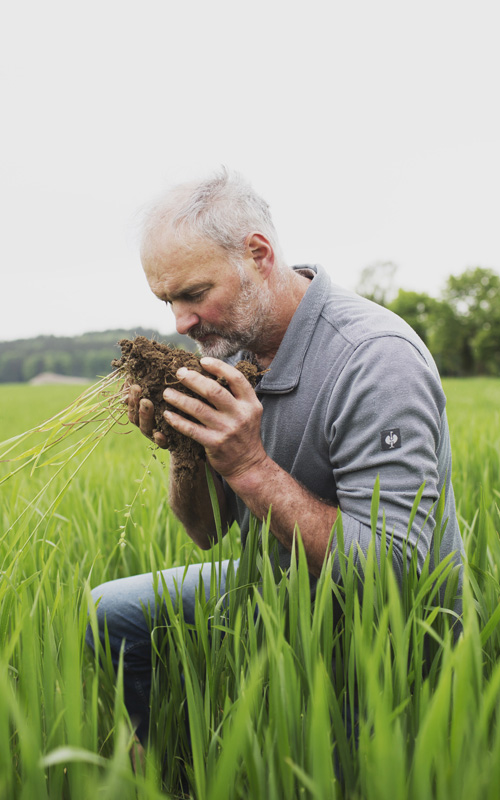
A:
(223, 208)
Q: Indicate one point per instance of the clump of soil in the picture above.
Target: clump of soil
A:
(153, 366)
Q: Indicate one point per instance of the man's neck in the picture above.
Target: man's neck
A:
(286, 304)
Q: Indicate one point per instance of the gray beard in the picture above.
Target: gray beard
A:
(222, 347)
(252, 317)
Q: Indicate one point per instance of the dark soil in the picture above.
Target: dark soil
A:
(153, 366)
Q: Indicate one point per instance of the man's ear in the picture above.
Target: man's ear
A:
(261, 251)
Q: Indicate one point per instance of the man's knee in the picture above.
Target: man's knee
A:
(124, 609)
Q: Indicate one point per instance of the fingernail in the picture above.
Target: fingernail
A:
(182, 372)
(206, 360)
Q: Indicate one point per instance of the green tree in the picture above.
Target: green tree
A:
(62, 364)
(474, 297)
(97, 363)
(419, 310)
(33, 365)
(11, 367)
(437, 325)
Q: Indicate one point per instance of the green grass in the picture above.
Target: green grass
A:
(266, 694)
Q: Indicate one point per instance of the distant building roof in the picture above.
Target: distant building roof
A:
(53, 377)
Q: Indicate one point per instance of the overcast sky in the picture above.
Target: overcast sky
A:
(372, 128)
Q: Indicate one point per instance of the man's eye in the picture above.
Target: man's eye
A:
(196, 297)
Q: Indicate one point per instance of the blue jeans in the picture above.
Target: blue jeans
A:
(122, 604)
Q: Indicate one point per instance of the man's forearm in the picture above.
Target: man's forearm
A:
(269, 486)
(226, 421)
(190, 501)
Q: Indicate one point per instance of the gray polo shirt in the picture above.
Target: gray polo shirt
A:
(352, 394)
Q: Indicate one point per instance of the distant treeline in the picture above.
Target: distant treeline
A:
(461, 328)
(87, 356)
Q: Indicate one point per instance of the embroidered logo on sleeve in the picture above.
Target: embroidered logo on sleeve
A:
(390, 439)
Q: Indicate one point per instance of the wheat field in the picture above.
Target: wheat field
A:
(360, 695)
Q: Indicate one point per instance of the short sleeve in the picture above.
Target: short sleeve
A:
(384, 419)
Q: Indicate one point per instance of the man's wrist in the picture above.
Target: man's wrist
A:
(251, 481)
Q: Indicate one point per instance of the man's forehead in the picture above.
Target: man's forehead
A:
(167, 247)
(174, 267)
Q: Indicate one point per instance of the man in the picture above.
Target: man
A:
(349, 393)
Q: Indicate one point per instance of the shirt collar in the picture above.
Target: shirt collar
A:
(285, 369)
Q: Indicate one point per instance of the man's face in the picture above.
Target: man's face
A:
(222, 308)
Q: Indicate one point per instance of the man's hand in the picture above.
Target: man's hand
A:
(140, 412)
(190, 502)
(228, 428)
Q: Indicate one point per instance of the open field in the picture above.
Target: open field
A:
(258, 708)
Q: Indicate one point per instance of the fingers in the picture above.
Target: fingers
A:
(147, 423)
(214, 392)
(187, 427)
(146, 418)
(133, 399)
(227, 425)
(140, 412)
(238, 384)
(160, 439)
(204, 388)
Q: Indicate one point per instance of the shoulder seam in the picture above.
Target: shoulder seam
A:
(388, 333)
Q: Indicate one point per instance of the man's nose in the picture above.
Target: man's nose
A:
(185, 320)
